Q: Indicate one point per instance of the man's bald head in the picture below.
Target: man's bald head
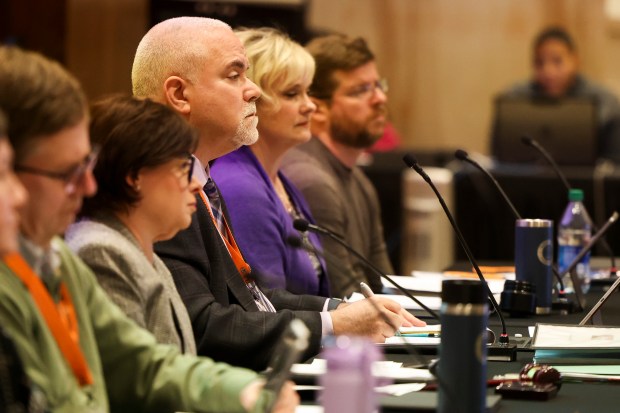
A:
(174, 47)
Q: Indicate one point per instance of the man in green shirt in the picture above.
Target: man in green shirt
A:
(50, 301)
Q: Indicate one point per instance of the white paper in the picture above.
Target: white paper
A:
(431, 282)
(429, 328)
(434, 303)
(383, 369)
(400, 389)
(550, 336)
(305, 408)
(417, 341)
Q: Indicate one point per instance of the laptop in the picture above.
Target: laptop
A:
(567, 128)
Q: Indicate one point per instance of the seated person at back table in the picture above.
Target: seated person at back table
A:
(262, 202)
(145, 194)
(77, 347)
(556, 75)
(351, 100)
(197, 67)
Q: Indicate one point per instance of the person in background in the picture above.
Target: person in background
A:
(262, 202)
(77, 347)
(556, 75)
(145, 194)
(16, 394)
(351, 100)
(197, 67)
(12, 194)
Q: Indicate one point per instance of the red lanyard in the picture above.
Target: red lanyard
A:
(242, 266)
(60, 318)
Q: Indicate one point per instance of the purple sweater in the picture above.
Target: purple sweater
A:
(261, 224)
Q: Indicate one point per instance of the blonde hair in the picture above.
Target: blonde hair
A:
(276, 62)
(174, 47)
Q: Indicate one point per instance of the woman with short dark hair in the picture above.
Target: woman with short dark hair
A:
(146, 194)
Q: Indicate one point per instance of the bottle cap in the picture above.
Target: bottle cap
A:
(575, 195)
(463, 291)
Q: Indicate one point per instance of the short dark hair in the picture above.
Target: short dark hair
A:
(38, 96)
(132, 134)
(335, 52)
(554, 33)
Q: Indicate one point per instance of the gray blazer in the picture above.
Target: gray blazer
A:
(144, 291)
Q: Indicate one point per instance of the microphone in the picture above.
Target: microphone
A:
(464, 156)
(528, 141)
(302, 225)
(292, 344)
(412, 163)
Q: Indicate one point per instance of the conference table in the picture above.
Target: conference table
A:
(573, 397)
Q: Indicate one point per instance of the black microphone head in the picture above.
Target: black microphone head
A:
(294, 241)
(301, 224)
(461, 155)
(410, 160)
(527, 140)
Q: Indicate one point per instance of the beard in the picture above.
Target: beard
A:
(356, 135)
(246, 133)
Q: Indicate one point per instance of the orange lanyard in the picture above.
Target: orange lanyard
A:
(242, 266)
(60, 318)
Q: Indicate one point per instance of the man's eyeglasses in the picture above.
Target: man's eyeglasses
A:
(367, 90)
(71, 178)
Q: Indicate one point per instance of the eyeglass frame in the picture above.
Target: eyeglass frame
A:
(70, 178)
(359, 91)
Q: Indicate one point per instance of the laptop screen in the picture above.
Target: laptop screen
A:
(567, 128)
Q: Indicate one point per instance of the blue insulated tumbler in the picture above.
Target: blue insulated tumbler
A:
(463, 349)
(533, 258)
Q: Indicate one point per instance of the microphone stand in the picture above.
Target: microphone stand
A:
(302, 225)
(463, 156)
(504, 341)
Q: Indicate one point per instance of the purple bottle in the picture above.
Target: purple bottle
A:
(348, 383)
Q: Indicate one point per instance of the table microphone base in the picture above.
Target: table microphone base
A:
(564, 306)
(502, 352)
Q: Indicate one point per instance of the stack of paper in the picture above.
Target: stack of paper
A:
(382, 369)
(576, 345)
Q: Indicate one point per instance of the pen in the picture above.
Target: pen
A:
(419, 335)
(367, 292)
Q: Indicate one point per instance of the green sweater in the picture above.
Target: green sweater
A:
(132, 373)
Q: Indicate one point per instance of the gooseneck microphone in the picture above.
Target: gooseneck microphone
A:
(528, 141)
(464, 156)
(302, 225)
(413, 164)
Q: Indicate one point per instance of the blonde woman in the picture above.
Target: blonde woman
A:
(261, 201)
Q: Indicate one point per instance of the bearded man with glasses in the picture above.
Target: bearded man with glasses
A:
(351, 114)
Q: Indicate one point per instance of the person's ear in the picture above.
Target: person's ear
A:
(133, 180)
(175, 93)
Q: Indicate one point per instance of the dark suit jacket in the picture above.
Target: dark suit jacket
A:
(226, 322)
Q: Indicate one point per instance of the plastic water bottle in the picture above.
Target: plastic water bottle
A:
(574, 233)
(348, 384)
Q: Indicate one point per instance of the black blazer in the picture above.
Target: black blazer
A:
(227, 324)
